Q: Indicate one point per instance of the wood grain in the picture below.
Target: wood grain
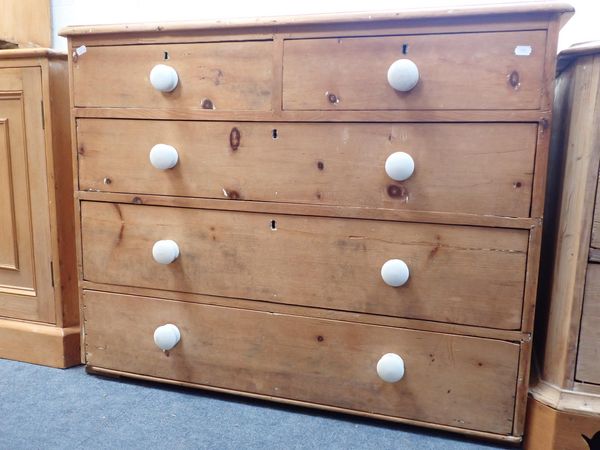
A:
(548, 428)
(229, 75)
(476, 76)
(39, 344)
(26, 290)
(588, 357)
(319, 262)
(595, 240)
(344, 316)
(573, 230)
(491, 115)
(477, 169)
(26, 22)
(315, 210)
(428, 16)
(60, 170)
(307, 359)
(37, 198)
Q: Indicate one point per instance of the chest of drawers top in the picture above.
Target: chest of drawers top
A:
(465, 64)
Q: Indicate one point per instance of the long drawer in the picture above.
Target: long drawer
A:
(499, 70)
(467, 168)
(212, 75)
(458, 274)
(452, 380)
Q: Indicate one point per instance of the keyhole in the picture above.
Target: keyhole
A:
(274, 133)
(166, 55)
(273, 225)
(405, 49)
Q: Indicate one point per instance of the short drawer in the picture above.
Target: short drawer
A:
(496, 70)
(214, 75)
(467, 168)
(453, 380)
(457, 274)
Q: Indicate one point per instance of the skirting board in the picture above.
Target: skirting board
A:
(550, 429)
(39, 344)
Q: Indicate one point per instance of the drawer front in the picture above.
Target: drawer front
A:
(456, 71)
(221, 76)
(468, 168)
(457, 274)
(588, 358)
(452, 380)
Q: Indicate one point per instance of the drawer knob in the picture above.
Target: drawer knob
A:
(395, 272)
(399, 166)
(163, 156)
(167, 336)
(163, 78)
(165, 252)
(403, 75)
(390, 368)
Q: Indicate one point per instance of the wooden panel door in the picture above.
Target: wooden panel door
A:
(588, 358)
(26, 290)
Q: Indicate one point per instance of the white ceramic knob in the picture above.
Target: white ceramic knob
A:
(167, 336)
(399, 166)
(163, 156)
(390, 368)
(165, 252)
(163, 78)
(395, 272)
(403, 75)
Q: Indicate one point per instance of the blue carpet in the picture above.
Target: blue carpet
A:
(43, 408)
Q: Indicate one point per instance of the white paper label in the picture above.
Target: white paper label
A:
(80, 50)
(523, 50)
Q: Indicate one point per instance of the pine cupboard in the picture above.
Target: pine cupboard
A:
(338, 211)
(39, 319)
(565, 398)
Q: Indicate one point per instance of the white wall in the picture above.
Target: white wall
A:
(582, 27)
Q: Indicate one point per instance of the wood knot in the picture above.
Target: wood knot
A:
(234, 139)
(513, 79)
(136, 200)
(332, 98)
(231, 194)
(320, 165)
(395, 191)
(207, 104)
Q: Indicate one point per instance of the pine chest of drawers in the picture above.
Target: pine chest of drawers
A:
(339, 212)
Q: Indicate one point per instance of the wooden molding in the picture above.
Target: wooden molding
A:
(39, 344)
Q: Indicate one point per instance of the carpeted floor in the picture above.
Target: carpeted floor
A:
(43, 408)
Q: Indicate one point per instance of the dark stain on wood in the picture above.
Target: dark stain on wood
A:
(136, 200)
(207, 104)
(395, 191)
(513, 79)
(320, 165)
(232, 194)
(235, 138)
(122, 229)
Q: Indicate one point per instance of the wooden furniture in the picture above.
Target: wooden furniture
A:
(342, 212)
(38, 283)
(25, 23)
(566, 398)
